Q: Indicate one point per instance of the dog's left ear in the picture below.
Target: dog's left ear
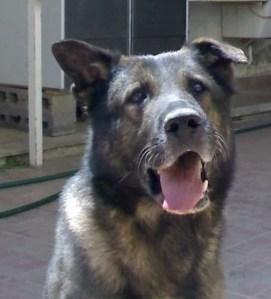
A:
(217, 58)
(83, 63)
(213, 52)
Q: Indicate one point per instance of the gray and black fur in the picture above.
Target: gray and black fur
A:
(113, 239)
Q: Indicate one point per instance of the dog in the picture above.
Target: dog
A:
(143, 217)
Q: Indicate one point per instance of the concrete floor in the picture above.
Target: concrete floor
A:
(26, 240)
(14, 143)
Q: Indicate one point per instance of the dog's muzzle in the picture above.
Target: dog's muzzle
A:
(180, 182)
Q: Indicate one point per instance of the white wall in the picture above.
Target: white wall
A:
(13, 42)
(205, 19)
(209, 19)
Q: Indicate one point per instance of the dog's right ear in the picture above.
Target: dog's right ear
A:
(83, 63)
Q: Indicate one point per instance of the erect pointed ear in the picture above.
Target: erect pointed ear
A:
(83, 63)
(213, 52)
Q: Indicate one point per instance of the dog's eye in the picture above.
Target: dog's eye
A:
(138, 97)
(197, 88)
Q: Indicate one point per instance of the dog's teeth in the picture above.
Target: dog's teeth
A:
(203, 173)
(205, 185)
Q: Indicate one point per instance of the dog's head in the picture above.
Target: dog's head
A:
(161, 124)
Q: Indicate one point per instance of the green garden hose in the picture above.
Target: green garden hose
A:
(53, 197)
(42, 179)
(35, 204)
(27, 207)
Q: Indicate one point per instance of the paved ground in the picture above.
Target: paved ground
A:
(247, 246)
(26, 240)
(15, 142)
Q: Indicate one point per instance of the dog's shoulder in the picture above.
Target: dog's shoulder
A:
(76, 200)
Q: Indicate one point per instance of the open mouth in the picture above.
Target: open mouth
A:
(181, 188)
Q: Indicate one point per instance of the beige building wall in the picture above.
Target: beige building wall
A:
(219, 20)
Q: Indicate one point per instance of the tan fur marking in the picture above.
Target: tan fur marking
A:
(100, 259)
(148, 213)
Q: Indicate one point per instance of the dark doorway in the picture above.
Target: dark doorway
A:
(155, 25)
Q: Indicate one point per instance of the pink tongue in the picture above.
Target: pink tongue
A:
(181, 184)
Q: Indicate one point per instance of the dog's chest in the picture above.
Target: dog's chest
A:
(151, 263)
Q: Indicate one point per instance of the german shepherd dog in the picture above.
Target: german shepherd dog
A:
(142, 219)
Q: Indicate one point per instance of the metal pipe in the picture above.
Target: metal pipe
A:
(130, 27)
(35, 83)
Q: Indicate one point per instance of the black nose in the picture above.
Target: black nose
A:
(182, 121)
